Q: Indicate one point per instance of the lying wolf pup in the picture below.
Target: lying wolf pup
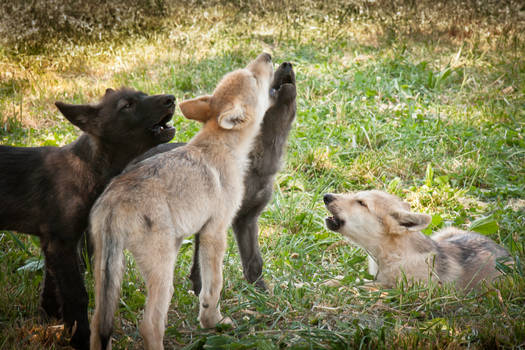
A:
(153, 205)
(49, 191)
(383, 225)
(265, 162)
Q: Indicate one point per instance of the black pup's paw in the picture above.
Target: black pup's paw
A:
(195, 278)
(49, 308)
(286, 93)
(261, 285)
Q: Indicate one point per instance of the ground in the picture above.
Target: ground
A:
(424, 100)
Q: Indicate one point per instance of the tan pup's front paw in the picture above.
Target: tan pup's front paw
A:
(226, 321)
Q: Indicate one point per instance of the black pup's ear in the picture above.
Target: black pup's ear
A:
(83, 116)
(109, 91)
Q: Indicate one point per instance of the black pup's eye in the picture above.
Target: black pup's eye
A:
(128, 105)
(361, 203)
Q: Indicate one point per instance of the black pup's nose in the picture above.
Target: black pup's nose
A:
(327, 198)
(168, 100)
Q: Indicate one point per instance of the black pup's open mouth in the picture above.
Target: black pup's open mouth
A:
(334, 223)
(162, 130)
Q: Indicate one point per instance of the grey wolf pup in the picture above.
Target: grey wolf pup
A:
(391, 234)
(49, 191)
(265, 162)
(152, 206)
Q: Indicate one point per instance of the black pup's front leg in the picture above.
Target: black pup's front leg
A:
(247, 234)
(63, 264)
(50, 306)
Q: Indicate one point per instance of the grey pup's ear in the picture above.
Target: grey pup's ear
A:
(83, 116)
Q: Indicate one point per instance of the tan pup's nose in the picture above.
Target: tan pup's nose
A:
(327, 198)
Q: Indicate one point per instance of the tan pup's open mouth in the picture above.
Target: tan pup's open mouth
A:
(334, 223)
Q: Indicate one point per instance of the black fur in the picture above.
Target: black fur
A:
(265, 161)
(49, 191)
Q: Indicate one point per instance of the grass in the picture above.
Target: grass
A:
(424, 109)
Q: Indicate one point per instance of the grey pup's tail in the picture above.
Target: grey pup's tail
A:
(108, 270)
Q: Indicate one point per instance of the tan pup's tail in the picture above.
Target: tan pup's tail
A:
(108, 270)
(446, 233)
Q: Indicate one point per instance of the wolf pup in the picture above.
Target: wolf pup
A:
(391, 234)
(265, 162)
(153, 205)
(49, 191)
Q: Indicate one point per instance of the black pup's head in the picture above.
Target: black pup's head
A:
(282, 88)
(125, 117)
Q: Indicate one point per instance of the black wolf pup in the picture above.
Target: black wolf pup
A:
(265, 162)
(49, 191)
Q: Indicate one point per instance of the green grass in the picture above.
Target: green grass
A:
(434, 113)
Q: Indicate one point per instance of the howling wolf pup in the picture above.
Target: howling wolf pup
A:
(391, 234)
(153, 205)
(49, 191)
(265, 161)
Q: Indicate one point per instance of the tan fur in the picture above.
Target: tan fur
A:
(196, 188)
(383, 225)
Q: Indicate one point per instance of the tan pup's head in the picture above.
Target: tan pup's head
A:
(240, 99)
(369, 217)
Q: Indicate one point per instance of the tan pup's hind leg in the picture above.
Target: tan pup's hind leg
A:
(211, 254)
(156, 263)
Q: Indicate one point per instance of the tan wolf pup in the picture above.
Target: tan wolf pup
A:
(391, 234)
(154, 205)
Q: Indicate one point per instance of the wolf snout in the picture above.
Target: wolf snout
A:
(264, 57)
(327, 198)
(267, 57)
(287, 65)
(168, 100)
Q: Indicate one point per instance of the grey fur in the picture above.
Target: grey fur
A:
(391, 234)
(194, 188)
(265, 161)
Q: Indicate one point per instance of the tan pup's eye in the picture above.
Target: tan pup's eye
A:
(361, 203)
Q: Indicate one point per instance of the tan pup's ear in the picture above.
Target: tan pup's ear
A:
(197, 108)
(232, 118)
(411, 221)
(405, 205)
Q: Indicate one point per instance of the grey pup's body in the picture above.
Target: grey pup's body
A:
(155, 204)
